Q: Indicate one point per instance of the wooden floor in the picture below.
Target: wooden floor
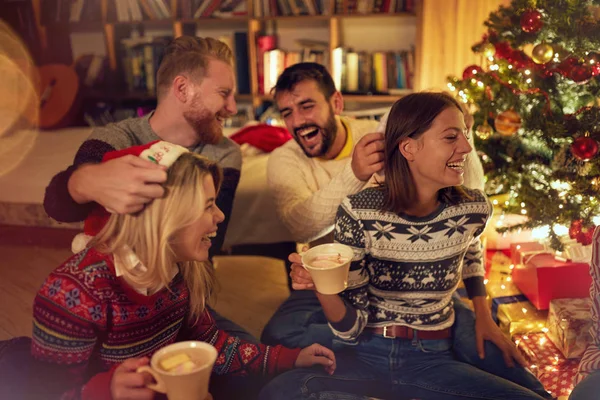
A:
(251, 287)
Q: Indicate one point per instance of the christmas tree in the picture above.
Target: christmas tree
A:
(535, 99)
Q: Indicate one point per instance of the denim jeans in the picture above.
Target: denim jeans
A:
(396, 369)
(587, 389)
(299, 322)
(231, 327)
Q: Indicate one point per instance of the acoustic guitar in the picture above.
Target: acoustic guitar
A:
(58, 90)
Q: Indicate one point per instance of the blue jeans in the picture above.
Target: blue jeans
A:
(300, 322)
(587, 389)
(396, 369)
(231, 327)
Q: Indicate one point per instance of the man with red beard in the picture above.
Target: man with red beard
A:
(195, 94)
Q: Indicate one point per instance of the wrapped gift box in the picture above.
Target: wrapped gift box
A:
(543, 278)
(497, 260)
(520, 252)
(510, 308)
(518, 316)
(569, 323)
(547, 363)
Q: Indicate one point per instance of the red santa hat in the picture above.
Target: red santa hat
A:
(159, 152)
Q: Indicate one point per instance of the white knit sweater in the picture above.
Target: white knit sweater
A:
(308, 191)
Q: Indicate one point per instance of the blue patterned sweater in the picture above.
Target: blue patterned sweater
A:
(406, 268)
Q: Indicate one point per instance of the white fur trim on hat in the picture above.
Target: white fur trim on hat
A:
(80, 242)
(163, 153)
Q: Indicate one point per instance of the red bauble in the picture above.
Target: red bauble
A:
(575, 228)
(471, 71)
(584, 148)
(582, 234)
(593, 60)
(566, 65)
(586, 235)
(580, 74)
(531, 21)
(503, 50)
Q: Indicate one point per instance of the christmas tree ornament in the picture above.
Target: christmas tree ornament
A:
(484, 131)
(580, 74)
(566, 65)
(593, 60)
(531, 21)
(507, 123)
(472, 71)
(581, 233)
(584, 148)
(488, 50)
(542, 53)
(503, 49)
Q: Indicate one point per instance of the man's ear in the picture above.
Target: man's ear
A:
(408, 147)
(337, 103)
(181, 88)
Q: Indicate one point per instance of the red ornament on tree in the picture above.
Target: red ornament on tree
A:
(580, 74)
(503, 50)
(531, 21)
(471, 71)
(593, 60)
(566, 65)
(582, 234)
(584, 148)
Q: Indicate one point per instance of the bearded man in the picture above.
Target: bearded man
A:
(195, 94)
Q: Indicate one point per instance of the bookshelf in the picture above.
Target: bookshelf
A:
(255, 24)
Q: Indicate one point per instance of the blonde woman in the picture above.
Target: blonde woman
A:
(142, 283)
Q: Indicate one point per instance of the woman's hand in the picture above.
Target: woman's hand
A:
(316, 354)
(486, 329)
(126, 383)
(301, 279)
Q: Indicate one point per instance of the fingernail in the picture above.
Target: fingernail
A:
(330, 362)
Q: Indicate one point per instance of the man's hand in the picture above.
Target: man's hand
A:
(486, 329)
(126, 383)
(123, 185)
(316, 354)
(367, 157)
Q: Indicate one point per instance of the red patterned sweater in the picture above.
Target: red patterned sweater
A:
(87, 321)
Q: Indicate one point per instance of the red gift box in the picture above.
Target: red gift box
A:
(518, 251)
(543, 278)
(547, 363)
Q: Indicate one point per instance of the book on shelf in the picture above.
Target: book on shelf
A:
(278, 8)
(141, 57)
(361, 72)
(63, 11)
(374, 6)
(238, 43)
(276, 60)
(189, 9)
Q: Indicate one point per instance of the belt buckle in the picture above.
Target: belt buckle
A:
(385, 335)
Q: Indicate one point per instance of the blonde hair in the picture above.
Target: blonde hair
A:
(189, 54)
(150, 232)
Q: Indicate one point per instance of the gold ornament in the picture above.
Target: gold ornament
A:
(484, 131)
(542, 53)
(507, 123)
(488, 50)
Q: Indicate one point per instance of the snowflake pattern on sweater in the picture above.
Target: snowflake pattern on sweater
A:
(86, 321)
(405, 268)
